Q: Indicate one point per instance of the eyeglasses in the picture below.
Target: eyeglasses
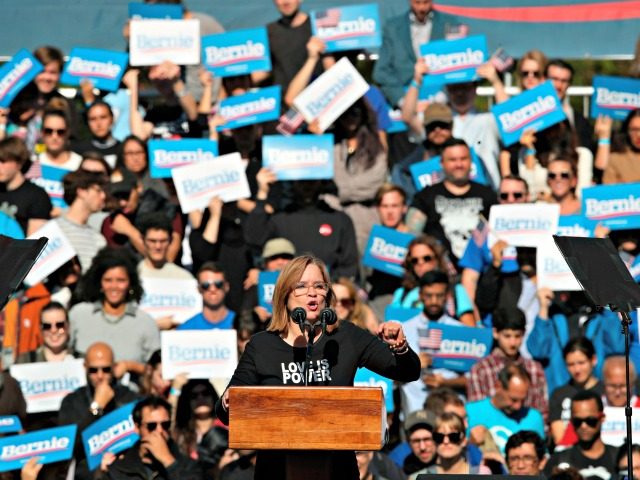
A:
(280, 256)
(206, 285)
(591, 422)
(453, 437)
(418, 441)
(49, 326)
(530, 73)
(525, 459)
(615, 386)
(58, 131)
(303, 288)
(93, 370)
(345, 302)
(562, 175)
(426, 259)
(515, 195)
(151, 426)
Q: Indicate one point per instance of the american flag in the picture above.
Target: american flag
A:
(328, 18)
(432, 341)
(290, 122)
(453, 32)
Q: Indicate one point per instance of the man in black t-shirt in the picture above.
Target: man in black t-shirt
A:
(19, 198)
(450, 210)
(593, 459)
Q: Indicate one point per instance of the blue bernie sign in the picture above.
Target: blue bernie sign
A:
(614, 97)
(257, 106)
(266, 286)
(16, 74)
(237, 52)
(165, 155)
(454, 61)
(299, 157)
(104, 68)
(49, 445)
(355, 27)
(386, 250)
(614, 206)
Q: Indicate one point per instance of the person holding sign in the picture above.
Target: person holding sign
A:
(274, 357)
(622, 165)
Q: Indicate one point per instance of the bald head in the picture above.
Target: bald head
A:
(98, 362)
(614, 378)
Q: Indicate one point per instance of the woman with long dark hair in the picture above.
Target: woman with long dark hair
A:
(619, 157)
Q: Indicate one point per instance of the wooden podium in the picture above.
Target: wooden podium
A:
(305, 421)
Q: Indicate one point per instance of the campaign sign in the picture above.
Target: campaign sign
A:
(16, 74)
(454, 61)
(175, 298)
(266, 286)
(257, 106)
(112, 433)
(614, 426)
(236, 53)
(534, 109)
(104, 68)
(298, 157)
(165, 155)
(456, 347)
(49, 445)
(10, 424)
(552, 269)
(347, 28)
(57, 252)
(51, 182)
(152, 42)
(634, 269)
(397, 124)
(329, 95)
(575, 226)
(523, 225)
(614, 97)
(222, 177)
(429, 172)
(45, 384)
(614, 206)
(139, 10)
(199, 353)
(386, 250)
(400, 314)
(366, 378)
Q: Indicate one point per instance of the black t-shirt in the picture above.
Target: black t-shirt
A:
(451, 218)
(560, 402)
(109, 149)
(602, 468)
(25, 202)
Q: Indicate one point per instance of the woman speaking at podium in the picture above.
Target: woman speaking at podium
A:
(275, 357)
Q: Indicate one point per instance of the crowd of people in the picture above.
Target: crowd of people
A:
(539, 402)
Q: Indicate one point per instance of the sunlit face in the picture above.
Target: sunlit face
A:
(55, 134)
(452, 441)
(99, 364)
(213, 287)
(422, 445)
(580, 366)
(392, 209)
(47, 80)
(561, 79)
(531, 74)
(422, 259)
(421, 8)
(434, 298)
(523, 460)
(287, 7)
(100, 121)
(153, 422)
(512, 191)
(582, 413)
(134, 156)
(94, 197)
(310, 293)
(156, 245)
(561, 179)
(509, 340)
(511, 399)
(8, 170)
(456, 164)
(344, 302)
(55, 328)
(634, 132)
(115, 286)
(615, 385)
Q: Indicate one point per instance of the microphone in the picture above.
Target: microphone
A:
(327, 317)
(299, 316)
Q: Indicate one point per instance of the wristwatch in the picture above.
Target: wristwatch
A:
(95, 409)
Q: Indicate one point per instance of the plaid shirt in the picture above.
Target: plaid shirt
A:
(484, 375)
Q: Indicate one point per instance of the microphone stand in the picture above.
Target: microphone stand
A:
(310, 330)
(626, 321)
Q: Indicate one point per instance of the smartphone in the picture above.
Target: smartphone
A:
(501, 60)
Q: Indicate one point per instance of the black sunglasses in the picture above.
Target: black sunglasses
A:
(454, 437)
(99, 369)
(516, 195)
(530, 73)
(591, 422)
(426, 258)
(346, 302)
(49, 326)
(58, 131)
(218, 284)
(151, 426)
(563, 175)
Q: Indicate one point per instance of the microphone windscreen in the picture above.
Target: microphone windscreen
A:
(328, 316)
(299, 314)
